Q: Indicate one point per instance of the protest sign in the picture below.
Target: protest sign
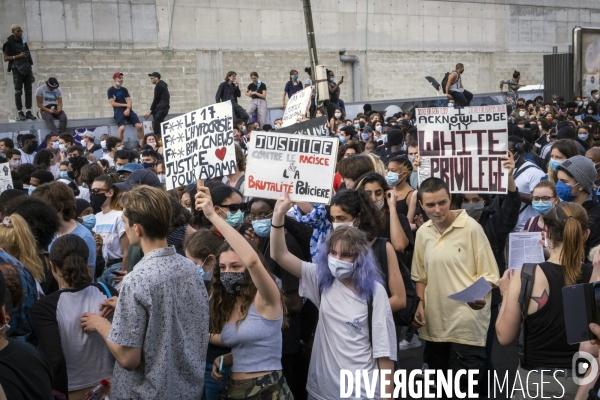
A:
(301, 166)
(296, 107)
(5, 177)
(199, 145)
(312, 127)
(464, 147)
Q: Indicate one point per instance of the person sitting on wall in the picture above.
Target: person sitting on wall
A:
(119, 99)
(455, 89)
(49, 101)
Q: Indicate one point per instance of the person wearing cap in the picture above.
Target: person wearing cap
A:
(49, 101)
(128, 169)
(87, 141)
(119, 99)
(160, 104)
(24, 371)
(149, 157)
(16, 53)
(576, 177)
(139, 177)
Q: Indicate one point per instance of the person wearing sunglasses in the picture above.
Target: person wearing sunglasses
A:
(229, 205)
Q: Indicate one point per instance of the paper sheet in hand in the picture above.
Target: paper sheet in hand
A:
(524, 247)
(476, 291)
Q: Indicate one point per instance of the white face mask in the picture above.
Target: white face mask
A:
(521, 113)
(55, 145)
(62, 147)
(338, 224)
(162, 179)
(103, 144)
(340, 269)
(338, 115)
(379, 128)
(411, 158)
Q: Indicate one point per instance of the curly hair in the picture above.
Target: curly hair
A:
(222, 303)
(355, 202)
(40, 215)
(69, 254)
(43, 159)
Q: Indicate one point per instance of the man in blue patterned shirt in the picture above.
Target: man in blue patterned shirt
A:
(159, 332)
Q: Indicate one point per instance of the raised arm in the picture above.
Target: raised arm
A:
(398, 237)
(267, 288)
(279, 251)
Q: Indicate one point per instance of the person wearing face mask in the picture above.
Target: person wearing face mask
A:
(497, 224)
(245, 298)
(399, 170)
(152, 140)
(87, 141)
(14, 158)
(526, 175)
(583, 134)
(592, 110)
(338, 117)
(102, 151)
(149, 157)
(28, 143)
(339, 276)
(451, 252)
(104, 196)
(113, 144)
(151, 366)
(119, 99)
(543, 199)
(201, 247)
(161, 103)
(513, 87)
(293, 86)
(334, 93)
(257, 91)
(229, 205)
(575, 184)
(562, 149)
(85, 214)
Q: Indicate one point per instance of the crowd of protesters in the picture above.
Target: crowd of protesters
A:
(202, 293)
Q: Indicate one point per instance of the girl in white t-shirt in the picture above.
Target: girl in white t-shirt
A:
(109, 229)
(340, 283)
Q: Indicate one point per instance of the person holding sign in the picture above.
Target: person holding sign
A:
(229, 90)
(257, 90)
(292, 87)
(247, 313)
(119, 99)
(451, 252)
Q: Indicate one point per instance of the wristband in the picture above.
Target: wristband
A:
(276, 226)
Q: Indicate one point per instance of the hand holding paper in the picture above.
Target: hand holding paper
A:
(474, 294)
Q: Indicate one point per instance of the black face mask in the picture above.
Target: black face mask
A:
(97, 200)
(71, 175)
(30, 148)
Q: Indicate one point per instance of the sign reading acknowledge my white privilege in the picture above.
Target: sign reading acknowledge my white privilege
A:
(464, 147)
(199, 145)
(302, 166)
(296, 107)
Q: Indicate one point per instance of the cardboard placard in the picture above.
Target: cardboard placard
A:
(199, 145)
(301, 166)
(5, 177)
(464, 147)
(296, 107)
(312, 127)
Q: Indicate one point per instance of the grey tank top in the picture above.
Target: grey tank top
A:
(255, 344)
(455, 87)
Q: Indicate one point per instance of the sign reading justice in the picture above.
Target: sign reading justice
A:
(464, 147)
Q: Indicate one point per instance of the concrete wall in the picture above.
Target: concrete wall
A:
(194, 42)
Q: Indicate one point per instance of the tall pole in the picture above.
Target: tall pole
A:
(310, 37)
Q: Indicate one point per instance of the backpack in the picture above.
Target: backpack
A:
(527, 280)
(405, 316)
(445, 81)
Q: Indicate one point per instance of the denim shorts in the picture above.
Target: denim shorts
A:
(122, 119)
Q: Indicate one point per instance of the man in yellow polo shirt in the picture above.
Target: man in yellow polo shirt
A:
(451, 253)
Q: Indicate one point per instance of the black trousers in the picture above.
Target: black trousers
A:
(49, 118)
(295, 370)
(159, 117)
(239, 112)
(21, 81)
(454, 356)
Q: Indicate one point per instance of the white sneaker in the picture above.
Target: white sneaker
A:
(414, 343)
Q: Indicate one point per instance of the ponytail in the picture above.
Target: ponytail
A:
(69, 255)
(567, 224)
(75, 273)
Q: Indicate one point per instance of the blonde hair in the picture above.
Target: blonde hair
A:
(378, 165)
(19, 242)
(13, 27)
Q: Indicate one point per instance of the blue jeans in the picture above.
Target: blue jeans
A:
(107, 276)
(462, 98)
(213, 388)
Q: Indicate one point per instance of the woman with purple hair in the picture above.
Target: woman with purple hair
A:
(356, 330)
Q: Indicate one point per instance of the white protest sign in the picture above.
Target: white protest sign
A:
(148, 127)
(199, 145)
(296, 107)
(299, 165)
(464, 147)
(5, 177)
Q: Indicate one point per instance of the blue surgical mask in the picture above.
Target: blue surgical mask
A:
(555, 163)
(342, 139)
(564, 191)
(579, 104)
(295, 77)
(331, 79)
(384, 137)
(450, 105)
(582, 136)
(541, 207)
(340, 269)
(30, 190)
(89, 221)
(234, 219)
(364, 136)
(391, 178)
(357, 126)
(206, 276)
(262, 227)
(64, 174)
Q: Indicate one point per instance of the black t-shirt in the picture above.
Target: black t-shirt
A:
(24, 372)
(252, 88)
(120, 95)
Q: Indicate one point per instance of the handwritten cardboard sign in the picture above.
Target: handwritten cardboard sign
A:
(312, 127)
(199, 145)
(464, 147)
(299, 165)
(296, 107)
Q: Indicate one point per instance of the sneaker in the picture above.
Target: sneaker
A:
(414, 343)
(22, 116)
(29, 115)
